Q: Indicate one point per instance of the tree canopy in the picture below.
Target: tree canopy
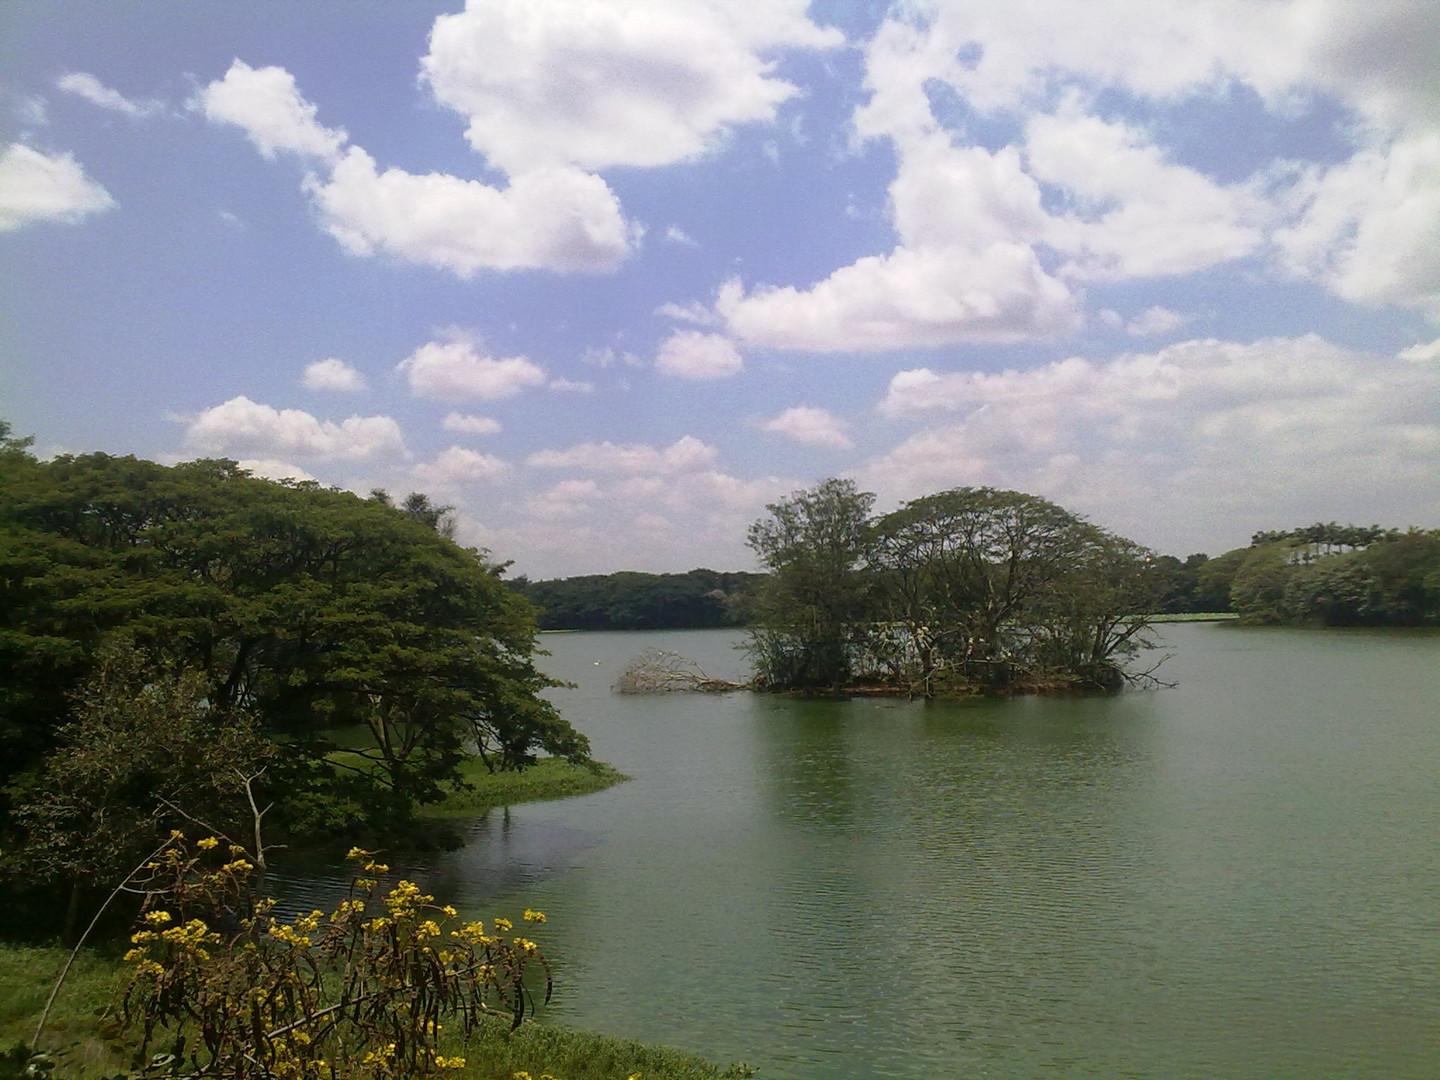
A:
(310, 610)
(967, 588)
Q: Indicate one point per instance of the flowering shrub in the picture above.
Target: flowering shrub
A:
(364, 990)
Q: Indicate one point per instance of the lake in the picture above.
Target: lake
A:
(1237, 877)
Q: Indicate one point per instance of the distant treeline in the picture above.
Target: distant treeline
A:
(629, 600)
(1321, 575)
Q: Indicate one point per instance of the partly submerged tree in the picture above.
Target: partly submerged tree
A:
(963, 589)
(813, 543)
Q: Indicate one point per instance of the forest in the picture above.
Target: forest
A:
(190, 642)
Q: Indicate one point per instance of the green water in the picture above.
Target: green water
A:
(1239, 877)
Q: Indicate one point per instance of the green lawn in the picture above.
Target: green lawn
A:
(549, 778)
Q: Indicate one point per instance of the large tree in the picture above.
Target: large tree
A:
(307, 607)
(813, 543)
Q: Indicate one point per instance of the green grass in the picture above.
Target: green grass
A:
(567, 1054)
(81, 1014)
(1195, 616)
(73, 1030)
(550, 778)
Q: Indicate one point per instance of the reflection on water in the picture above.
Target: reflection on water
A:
(1233, 878)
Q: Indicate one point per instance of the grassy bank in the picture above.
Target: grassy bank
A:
(549, 778)
(1195, 616)
(80, 1022)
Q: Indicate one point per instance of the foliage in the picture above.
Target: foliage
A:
(303, 607)
(1334, 575)
(812, 543)
(634, 601)
(145, 748)
(963, 589)
(365, 990)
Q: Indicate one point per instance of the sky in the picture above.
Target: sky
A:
(610, 276)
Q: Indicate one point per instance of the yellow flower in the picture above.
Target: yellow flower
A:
(501, 925)
(534, 916)
(357, 853)
(208, 843)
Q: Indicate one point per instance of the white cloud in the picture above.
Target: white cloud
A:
(689, 354)
(1156, 320)
(677, 235)
(94, 91)
(36, 187)
(1117, 203)
(599, 83)
(909, 298)
(458, 467)
(1191, 439)
(546, 218)
(267, 106)
(244, 428)
(454, 371)
(470, 425)
(1134, 213)
(685, 455)
(32, 110)
(810, 426)
(1421, 354)
(608, 357)
(333, 374)
(1369, 228)
(551, 219)
(572, 386)
(274, 469)
(694, 312)
(567, 499)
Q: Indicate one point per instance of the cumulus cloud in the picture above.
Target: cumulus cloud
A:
(562, 501)
(333, 374)
(1369, 228)
(551, 219)
(677, 235)
(1197, 435)
(1421, 354)
(909, 298)
(266, 104)
(1133, 213)
(1156, 320)
(600, 83)
(244, 428)
(993, 244)
(454, 371)
(470, 425)
(274, 469)
(458, 467)
(36, 187)
(685, 455)
(87, 86)
(810, 426)
(689, 354)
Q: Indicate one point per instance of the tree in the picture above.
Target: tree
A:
(812, 543)
(145, 753)
(309, 608)
(960, 567)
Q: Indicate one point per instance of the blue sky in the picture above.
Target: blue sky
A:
(610, 275)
